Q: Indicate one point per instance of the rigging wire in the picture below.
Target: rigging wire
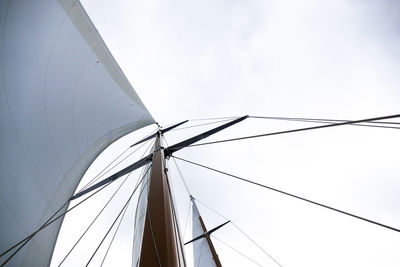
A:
(112, 239)
(316, 119)
(180, 173)
(94, 220)
(292, 195)
(119, 214)
(94, 178)
(187, 216)
(136, 212)
(236, 250)
(165, 126)
(186, 222)
(143, 174)
(241, 231)
(143, 170)
(116, 231)
(220, 118)
(176, 217)
(198, 125)
(105, 236)
(26, 240)
(101, 174)
(98, 176)
(176, 221)
(152, 236)
(298, 130)
(327, 121)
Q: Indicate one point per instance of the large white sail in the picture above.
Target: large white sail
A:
(63, 100)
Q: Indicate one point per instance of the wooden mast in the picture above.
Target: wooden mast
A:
(157, 240)
(160, 242)
(160, 246)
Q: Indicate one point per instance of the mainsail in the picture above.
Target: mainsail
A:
(63, 100)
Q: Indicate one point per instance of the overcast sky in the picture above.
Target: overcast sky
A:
(322, 59)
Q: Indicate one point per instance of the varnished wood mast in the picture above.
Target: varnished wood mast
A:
(160, 245)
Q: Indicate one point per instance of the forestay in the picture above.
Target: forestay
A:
(63, 100)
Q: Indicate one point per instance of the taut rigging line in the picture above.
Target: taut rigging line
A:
(300, 130)
(375, 124)
(292, 195)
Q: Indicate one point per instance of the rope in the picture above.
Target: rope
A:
(144, 153)
(119, 214)
(293, 196)
(198, 125)
(176, 222)
(98, 176)
(112, 239)
(314, 119)
(327, 121)
(220, 118)
(152, 236)
(26, 240)
(137, 184)
(100, 173)
(298, 130)
(90, 225)
(180, 173)
(240, 230)
(237, 251)
(186, 222)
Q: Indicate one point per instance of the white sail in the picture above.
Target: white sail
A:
(140, 219)
(202, 256)
(63, 100)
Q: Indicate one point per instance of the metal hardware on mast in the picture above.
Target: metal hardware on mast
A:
(167, 153)
(159, 244)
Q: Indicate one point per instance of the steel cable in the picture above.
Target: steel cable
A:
(119, 214)
(298, 130)
(293, 196)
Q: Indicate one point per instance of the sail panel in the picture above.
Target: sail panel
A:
(63, 100)
(202, 255)
(140, 218)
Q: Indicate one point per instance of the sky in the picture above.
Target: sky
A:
(317, 59)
